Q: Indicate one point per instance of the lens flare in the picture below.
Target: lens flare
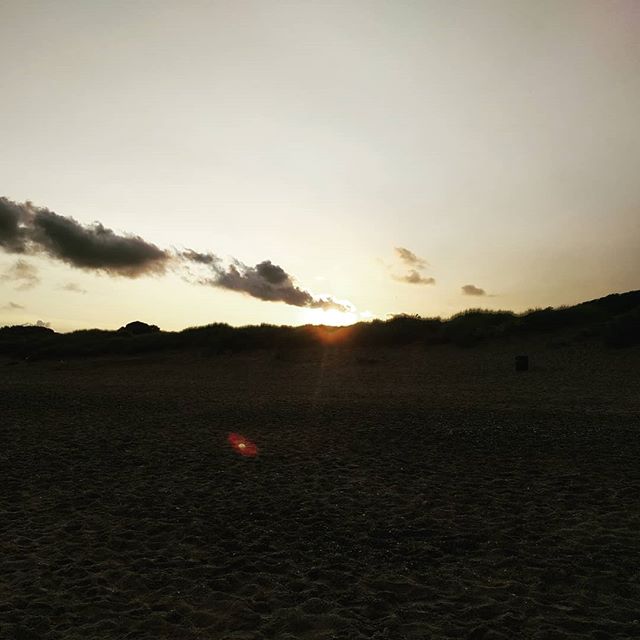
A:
(242, 445)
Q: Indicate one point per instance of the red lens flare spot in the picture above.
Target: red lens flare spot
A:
(243, 446)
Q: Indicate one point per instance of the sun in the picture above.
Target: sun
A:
(329, 317)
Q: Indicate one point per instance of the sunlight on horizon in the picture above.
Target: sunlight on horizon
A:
(329, 317)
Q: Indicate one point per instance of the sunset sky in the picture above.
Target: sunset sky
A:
(309, 161)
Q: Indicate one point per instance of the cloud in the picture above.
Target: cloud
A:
(411, 259)
(41, 323)
(200, 258)
(12, 232)
(34, 230)
(72, 286)
(472, 290)
(23, 274)
(267, 281)
(12, 306)
(95, 247)
(416, 264)
(414, 277)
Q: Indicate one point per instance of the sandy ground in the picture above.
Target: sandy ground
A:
(397, 494)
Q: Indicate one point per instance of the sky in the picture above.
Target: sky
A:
(250, 161)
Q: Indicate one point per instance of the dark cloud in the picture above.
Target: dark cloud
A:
(414, 277)
(267, 281)
(23, 274)
(411, 259)
(272, 273)
(28, 229)
(95, 247)
(199, 258)
(12, 232)
(12, 306)
(36, 230)
(72, 286)
(472, 290)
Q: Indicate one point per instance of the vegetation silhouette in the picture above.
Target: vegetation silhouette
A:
(138, 328)
(614, 320)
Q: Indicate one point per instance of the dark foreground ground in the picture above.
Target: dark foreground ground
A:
(397, 494)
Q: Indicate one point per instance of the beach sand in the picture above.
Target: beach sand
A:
(397, 494)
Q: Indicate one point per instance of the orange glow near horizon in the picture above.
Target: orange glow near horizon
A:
(330, 334)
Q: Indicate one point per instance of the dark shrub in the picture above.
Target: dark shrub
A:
(470, 327)
(584, 321)
(623, 331)
(25, 331)
(399, 330)
(551, 319)
(20, 340)
(616, 303)
(137, 328)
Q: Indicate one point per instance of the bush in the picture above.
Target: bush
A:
(597, 318)
(470, 327)
(137, 328)
(624, 330)
(551, 319)
(399, 330)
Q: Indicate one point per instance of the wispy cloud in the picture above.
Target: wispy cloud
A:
(73, 287)
(12, 306)
(199, 258)
(472, 290)
(21, 273)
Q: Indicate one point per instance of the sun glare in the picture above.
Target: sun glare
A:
(329, 317)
